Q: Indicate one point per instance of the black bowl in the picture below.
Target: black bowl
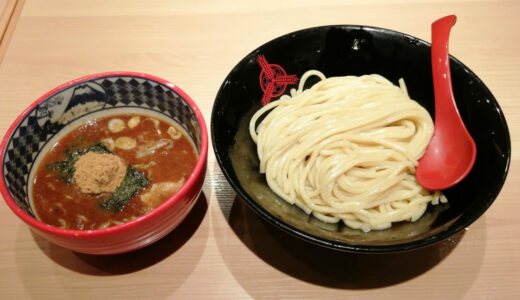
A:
(358, 50)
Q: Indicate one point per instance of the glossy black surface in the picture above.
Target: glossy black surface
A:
(357, 50)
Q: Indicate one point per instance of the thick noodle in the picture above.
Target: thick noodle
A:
(346, 149)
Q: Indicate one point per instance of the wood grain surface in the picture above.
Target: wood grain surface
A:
(223, 250)
(10, 11)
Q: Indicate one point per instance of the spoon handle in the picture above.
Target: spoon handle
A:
(442, 88)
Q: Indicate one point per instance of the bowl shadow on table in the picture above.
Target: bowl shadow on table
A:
(331, 268)
(103, 265)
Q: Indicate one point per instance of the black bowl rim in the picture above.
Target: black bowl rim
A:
(335, 245)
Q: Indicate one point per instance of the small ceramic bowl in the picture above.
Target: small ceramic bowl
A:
(56, 112)
(357, 50)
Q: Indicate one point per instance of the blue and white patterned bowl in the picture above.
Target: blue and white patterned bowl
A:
(61, 110)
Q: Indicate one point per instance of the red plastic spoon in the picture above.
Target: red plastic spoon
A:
(451, 153)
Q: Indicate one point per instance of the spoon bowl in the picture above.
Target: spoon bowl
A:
(451, 152)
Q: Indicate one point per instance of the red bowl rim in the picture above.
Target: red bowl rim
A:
(127, 226)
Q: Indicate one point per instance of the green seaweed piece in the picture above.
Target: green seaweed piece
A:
(65, 168)
(132, 183)
(98, 148)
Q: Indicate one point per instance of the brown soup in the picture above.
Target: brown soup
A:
(151, 147)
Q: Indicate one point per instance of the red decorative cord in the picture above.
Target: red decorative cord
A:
(273, 79)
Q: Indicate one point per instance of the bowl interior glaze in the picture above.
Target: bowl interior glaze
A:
(356, 50)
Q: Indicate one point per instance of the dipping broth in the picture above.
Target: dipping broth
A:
(136, 149)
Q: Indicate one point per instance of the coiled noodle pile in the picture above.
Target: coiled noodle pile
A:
(346, 149)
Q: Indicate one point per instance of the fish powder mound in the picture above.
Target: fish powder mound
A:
(99, 173)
